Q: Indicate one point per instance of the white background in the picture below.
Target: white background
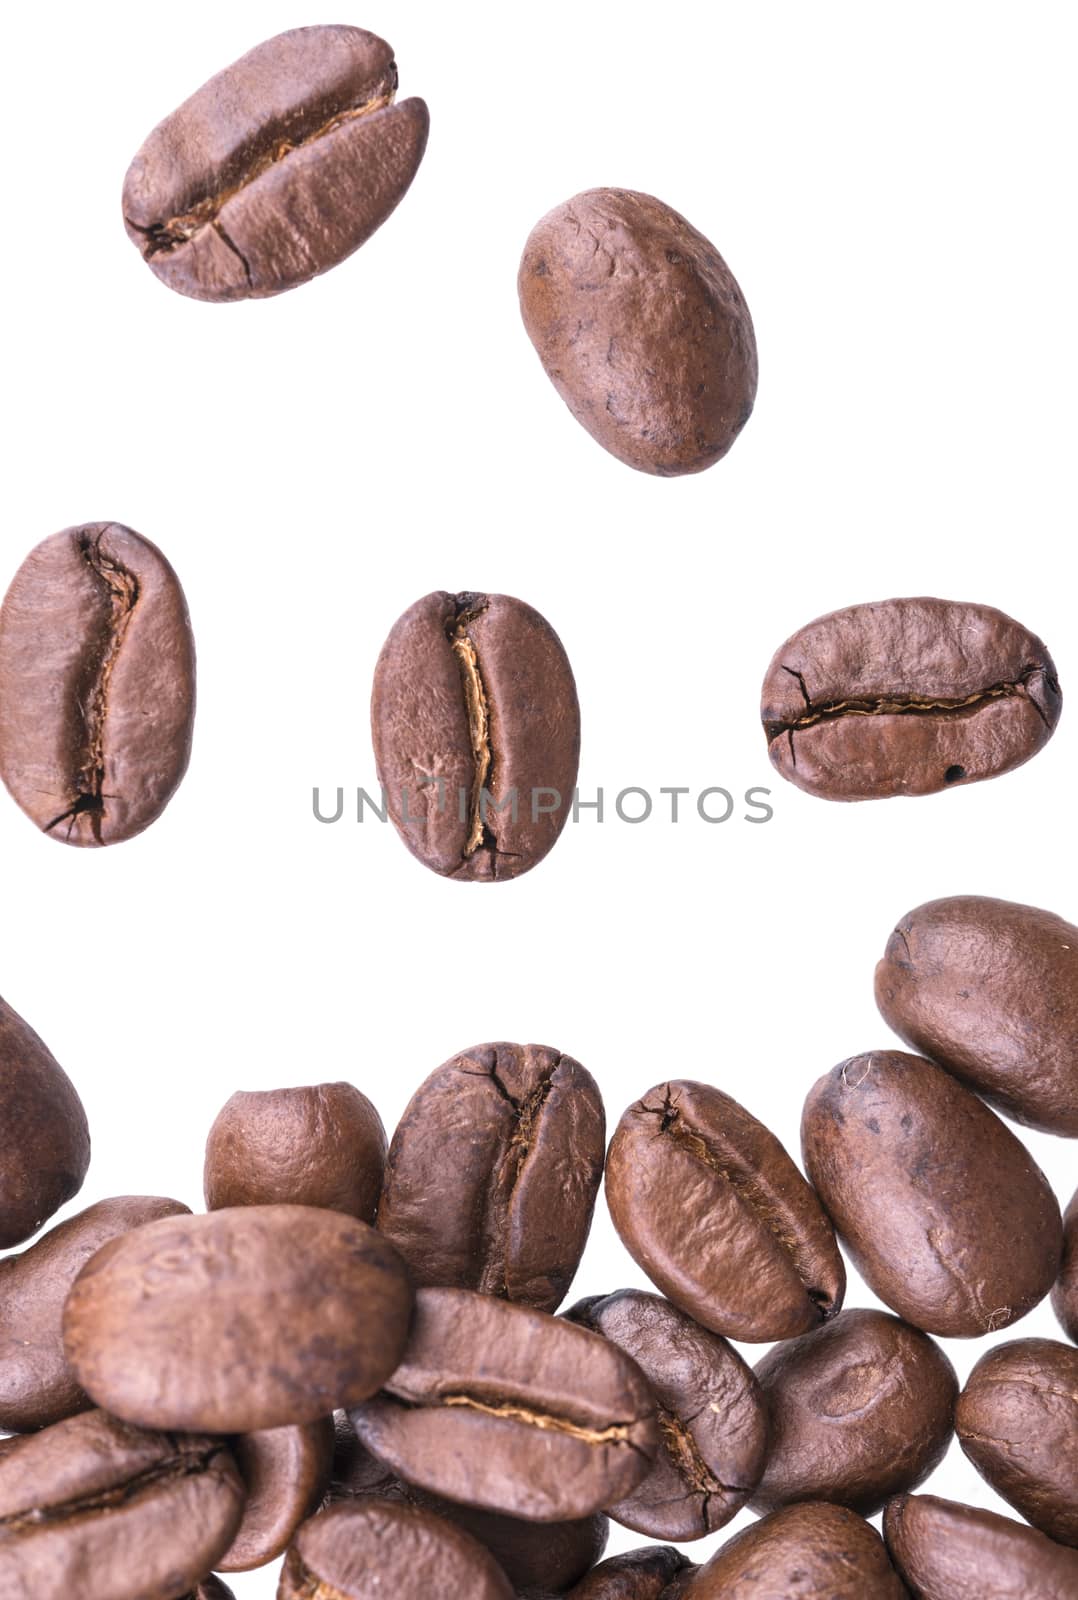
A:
(893, 187)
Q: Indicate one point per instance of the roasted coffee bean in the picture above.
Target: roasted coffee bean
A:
(371, 1548)
(509, 1409)
(286, 1473)
(92, 1507)
(947, 1551)
(711, 1416)
(990, 990)
(860, 1410)
(1017, 1421)
(658, 1573)
(907, 697)
(211, 1588)
(820, 1552)
(707, 1201)
(46, 1143)
(246, 1319)
(321, 1146)
(947, 1217)
(97, 685)
(277, 168)
(1065, 1293)
(641, 328)
(476, 734)
(36, 1386)
(493, 1173)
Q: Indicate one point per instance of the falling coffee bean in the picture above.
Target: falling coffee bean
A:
(1065, 1293)
(45, 1140)
(286, 1473)
(277, 168)
(658, 1573)
(822, 1552)
(97, 685)
(947, 1551)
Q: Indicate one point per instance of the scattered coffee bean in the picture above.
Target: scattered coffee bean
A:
(907, 697)
(712, 1420)
(493, 1173)
(641, 328)
(211, 1588)
(512, 1410)
(321, 1146)
(1018, 1423)
(860, 1411)
(947, 1551)
(238, 1321)
(286, 1473)
(947, 1217)
(36, 1385)
(46, 1143)
(97, 685)
(710, 1205)
(822, 1552)
(476, 734)
(990, 990)
(277, 168)
(371, 1548)
(1065, 1293)
(658, 1573)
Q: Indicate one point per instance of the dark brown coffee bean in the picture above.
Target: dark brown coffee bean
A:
(246, 1319)
(641, 328)
(92, 1507)
(46, 1143)
(820, 1552)
(657, 1573)
(947, 1217)
(493, 1173)
(990, 990)
(860, 1410)
(1065, 1293)
(36, 1385)
(1018, 1423)
(476, 734)
(707, 1201)
(372, 1548)
(285, 1472)
(711, 1416)
(97, 685)
(277, 168)
(211, 1588)
(320, 1146)
(947, 1551)
(509, 1409)
(907, 697)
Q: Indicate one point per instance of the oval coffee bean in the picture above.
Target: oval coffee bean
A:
(97, 685)
(947, 1217)
(1017, 1421)
(493, 1173)
(712, 1419)
(947, 1551)
(641, 328)
(860, 1411)
(92, 1507)
(821, 1552)
(1065, 1293)
(277, 168)
(370, 1548)
(36, 1384)
(709, 1204)
(320, 1146)
(907, 697)
(211, 1588)
(285, 1472)
(656, 1573)
(476, 731)
(990, 990)
(509, 1409)
(46, 1142)
(237, 1321)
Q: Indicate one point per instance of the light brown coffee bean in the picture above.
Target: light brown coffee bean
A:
(370, 1548)
(286, 1473)
(45, 1148)
(821, 1552)
(947, 1551)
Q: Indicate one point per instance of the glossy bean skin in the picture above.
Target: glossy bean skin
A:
(948, 1551)
(813, 1549)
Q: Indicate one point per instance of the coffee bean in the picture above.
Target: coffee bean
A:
(92, 1507)
(512, 1410)
(211, 1588)
(907, 697)
(246, 1319)
(37, 1387)
(641, 328)
(657, 1573)
(709, 1204)
(822, 1552)
(46, 1143)
(285, 1472)
(97, 685)
(1065, 1293)
(947, 1217)
(277, 168)
(990, 990)
(493, 1173)
(371, 1548)
(947, 1551)
(1017, 1421)
(320, 1146)
(712, 1420)
(476, 734)
(860, 1410)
